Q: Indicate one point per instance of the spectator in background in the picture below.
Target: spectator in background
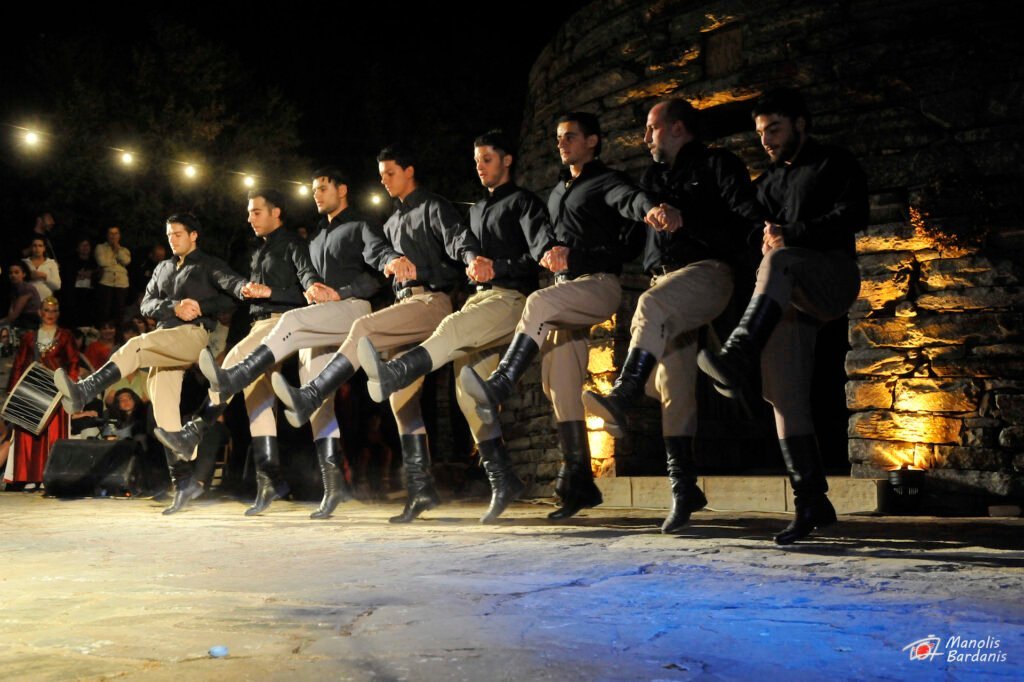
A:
(41, 230)
(42, 271)
(6, 342)
(113, 259)
(126, 418)
(137, 323)
(98, 352)
(142, 273)
(24, 308)
(80, 299)
(136, 381)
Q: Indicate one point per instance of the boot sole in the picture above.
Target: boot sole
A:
(818, 525)
(514, 493)
(282, 389)
(597, 405)
(730, 386)
(369, 358)
(196, 492)
(208, 366)
(476, 389)
(63, 383)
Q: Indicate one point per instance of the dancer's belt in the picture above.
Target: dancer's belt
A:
(406, 292)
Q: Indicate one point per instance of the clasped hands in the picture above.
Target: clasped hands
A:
(402, 268)
(318, 292)
(255, 290)
(187, 309)
(772, 237)
(664, 218)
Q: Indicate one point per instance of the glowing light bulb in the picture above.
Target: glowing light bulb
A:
(249, 181)
(190, 171)
(127, 158)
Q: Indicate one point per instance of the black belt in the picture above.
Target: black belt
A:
(406, 292)
(262, 316)
(484, 286)
(563, 277)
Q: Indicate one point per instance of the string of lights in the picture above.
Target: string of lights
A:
(35, 140)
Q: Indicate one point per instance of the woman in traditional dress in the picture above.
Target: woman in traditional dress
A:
(52, 347)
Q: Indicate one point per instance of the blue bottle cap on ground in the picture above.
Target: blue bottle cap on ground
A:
(219, 651)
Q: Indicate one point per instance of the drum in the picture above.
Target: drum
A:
(33, 401)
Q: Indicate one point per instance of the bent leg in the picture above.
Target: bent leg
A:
(405, 323)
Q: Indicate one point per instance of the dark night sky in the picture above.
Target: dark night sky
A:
(361, 78)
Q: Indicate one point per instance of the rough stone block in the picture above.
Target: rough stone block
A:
(997, 360)
(960, 457)
(879, 362)
(936, 395)
(861, 471)
(887, 454)
(935, 330)
(982, 423)
(1004, 385)
(885, 264)
(1012, 437)
(869, 394)
(976, 482)
(893, 237)
(969, 271)
(981, 298)
(1010, 408)
(979, 438)
(878, 291)
(546, 471)
(905, 426)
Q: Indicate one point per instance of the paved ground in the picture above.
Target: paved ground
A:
(100, 589)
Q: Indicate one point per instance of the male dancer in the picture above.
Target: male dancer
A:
(279, 265)
(427, 231)
(590, 208)
(816, 196)
(184, 296)
(512, 228)
(690, 286)
(342, 253)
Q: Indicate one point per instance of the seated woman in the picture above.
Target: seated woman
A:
(126, 418)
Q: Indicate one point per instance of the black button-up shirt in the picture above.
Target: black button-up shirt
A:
(342, 250)
(714, 194)
(427, 230)
(199, 276)
(595, 215)
(513, 230)
(820, 200)
(282, 263)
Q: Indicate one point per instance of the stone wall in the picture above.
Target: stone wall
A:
(928, 95)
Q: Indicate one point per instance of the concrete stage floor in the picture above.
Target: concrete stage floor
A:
(102, 589)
